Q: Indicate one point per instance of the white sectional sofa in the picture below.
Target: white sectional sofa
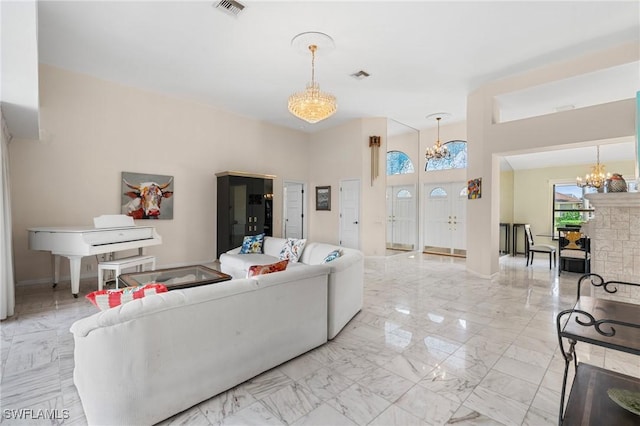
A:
(346, 274)
(146, 360)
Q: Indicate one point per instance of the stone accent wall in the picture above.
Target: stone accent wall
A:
(615, 240)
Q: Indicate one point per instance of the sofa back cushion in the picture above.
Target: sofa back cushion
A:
(316, 253)
(273, 245)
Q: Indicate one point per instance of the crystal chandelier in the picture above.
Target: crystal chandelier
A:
(312, 105)
(597, 177)
(438, 150)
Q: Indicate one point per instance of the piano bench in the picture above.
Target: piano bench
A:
(126, 262)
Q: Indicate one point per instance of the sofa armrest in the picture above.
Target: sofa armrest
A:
(345, 261)
(234, 251)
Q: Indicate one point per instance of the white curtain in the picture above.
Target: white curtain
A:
(7, 284)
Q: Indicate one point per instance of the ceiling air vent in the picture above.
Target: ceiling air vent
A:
(231, 7)
(360, 75)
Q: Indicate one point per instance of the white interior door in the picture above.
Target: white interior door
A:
(401, 217)
(350, 213)
(445, 218)
(293, 210)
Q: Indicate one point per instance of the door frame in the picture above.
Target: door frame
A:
(340, 210)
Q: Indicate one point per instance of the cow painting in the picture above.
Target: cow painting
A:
(145, 198)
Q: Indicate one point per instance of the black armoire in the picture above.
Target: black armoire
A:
(245, 207)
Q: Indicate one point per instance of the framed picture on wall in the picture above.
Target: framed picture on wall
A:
(146, 196)
(474, 189)
(323, 198)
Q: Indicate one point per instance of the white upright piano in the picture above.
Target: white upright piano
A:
(110, 233)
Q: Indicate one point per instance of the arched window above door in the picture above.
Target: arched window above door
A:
(403, 193)
(457, 159)
(398, 163)
(438, 193)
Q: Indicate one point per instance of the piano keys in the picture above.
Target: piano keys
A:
(110, 234)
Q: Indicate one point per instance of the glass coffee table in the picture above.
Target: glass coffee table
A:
(175, 278)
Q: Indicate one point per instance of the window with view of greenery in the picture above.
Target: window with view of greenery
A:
(570, 208)
(398, 163)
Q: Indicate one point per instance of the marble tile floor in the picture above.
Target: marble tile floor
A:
(433, 345)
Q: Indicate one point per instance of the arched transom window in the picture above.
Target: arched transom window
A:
(398, 163)
(457, 159)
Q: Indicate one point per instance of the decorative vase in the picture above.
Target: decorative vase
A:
(616, 183)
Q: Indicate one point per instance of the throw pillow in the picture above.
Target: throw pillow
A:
(106, 299)
(267, 269)
(292, 249)
(252, 244)
(332, 256)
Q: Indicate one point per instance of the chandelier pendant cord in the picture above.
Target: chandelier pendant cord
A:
(312, 105)
(313, 49)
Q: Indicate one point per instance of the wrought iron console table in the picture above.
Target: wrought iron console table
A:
(607, 323)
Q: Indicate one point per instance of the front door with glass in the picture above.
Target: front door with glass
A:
(401, 217)
(445, 218)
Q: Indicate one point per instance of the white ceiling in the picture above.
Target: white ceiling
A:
(423, 56)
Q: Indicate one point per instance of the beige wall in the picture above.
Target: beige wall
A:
(489, 140)
(533, 192)
(94, 130)
(334, 155)
(373, 212)
(341, 153)
(506, 196)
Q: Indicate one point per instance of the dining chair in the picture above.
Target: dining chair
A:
(574, 249)
(531, 248)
